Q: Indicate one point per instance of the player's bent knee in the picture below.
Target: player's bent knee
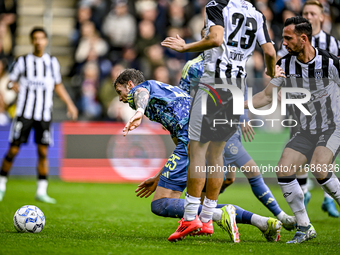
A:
(168, 207)
(158, 207)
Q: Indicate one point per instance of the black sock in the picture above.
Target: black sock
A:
(42, 177)
(3, 173)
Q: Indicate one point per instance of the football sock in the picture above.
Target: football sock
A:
(207, 210)
(259, 222)
(217, 215)
(3, 173)
(302, 180)
(294, 196)
(263, 193)
(3, 180)
(243, 216)
(174, 208)
(42, 187)
(331, 185)
(191, 205)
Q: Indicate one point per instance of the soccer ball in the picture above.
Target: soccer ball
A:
(29, 218)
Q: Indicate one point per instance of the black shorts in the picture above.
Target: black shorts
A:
(219, 123)
(306, 143)
(21, 128)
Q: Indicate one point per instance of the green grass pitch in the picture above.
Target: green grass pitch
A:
(109, 219)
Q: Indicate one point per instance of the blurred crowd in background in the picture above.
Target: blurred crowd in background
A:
(111, 35)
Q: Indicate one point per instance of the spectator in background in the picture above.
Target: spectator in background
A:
(90, 41)
(120, 28)
(84, 14)
(6, 43)
(129, 58)
(8, 18)
(98, 10)
(176, 13)
(89, 106)
(107, 93)
(147, 37)
(195, 25)
(154, 57)
(161, 73)
(7, 97)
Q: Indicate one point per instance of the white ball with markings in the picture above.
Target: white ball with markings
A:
(29, 218)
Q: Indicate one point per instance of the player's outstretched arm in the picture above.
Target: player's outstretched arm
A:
(141, 100)
(269, 58)
(147, 187)
(72, 111)
(264, 97)
(213, 39)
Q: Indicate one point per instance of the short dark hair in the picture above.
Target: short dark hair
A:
(127, 75)
(302, 26)
(38, 29)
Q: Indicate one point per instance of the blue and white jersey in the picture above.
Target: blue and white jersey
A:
(191, 73)
(168, 105)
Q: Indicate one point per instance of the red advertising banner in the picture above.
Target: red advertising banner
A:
(98, 152)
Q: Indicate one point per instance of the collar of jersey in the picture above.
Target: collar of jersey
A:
(310, 61)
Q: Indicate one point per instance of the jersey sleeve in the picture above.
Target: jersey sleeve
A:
(131, 94)
(334, 46)
(56, 70)
(335, 71)
(214, 12)
(262, 31)
(18, 69)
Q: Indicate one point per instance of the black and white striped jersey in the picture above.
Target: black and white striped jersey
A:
(37, 77)
(321, 77)
(321, 40)
(243, 27)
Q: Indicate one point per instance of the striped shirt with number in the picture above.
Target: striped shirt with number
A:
(37, 77)
(243, 27)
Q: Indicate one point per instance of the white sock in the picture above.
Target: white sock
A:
(42, 187)
(259, 222)
(326, 195)
(294, 197)
(3, 180)
(332, 187)
(191, 205)
(304, 187)
(207, 210)
(217, 215)
(281, 215)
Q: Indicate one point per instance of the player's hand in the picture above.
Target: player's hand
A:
(279, 72)
(72, 112)
(247, 132)
(147, 187)
(15, 87)
(133, 123)
(174, 43)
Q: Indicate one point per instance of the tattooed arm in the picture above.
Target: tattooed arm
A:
(141, 99)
